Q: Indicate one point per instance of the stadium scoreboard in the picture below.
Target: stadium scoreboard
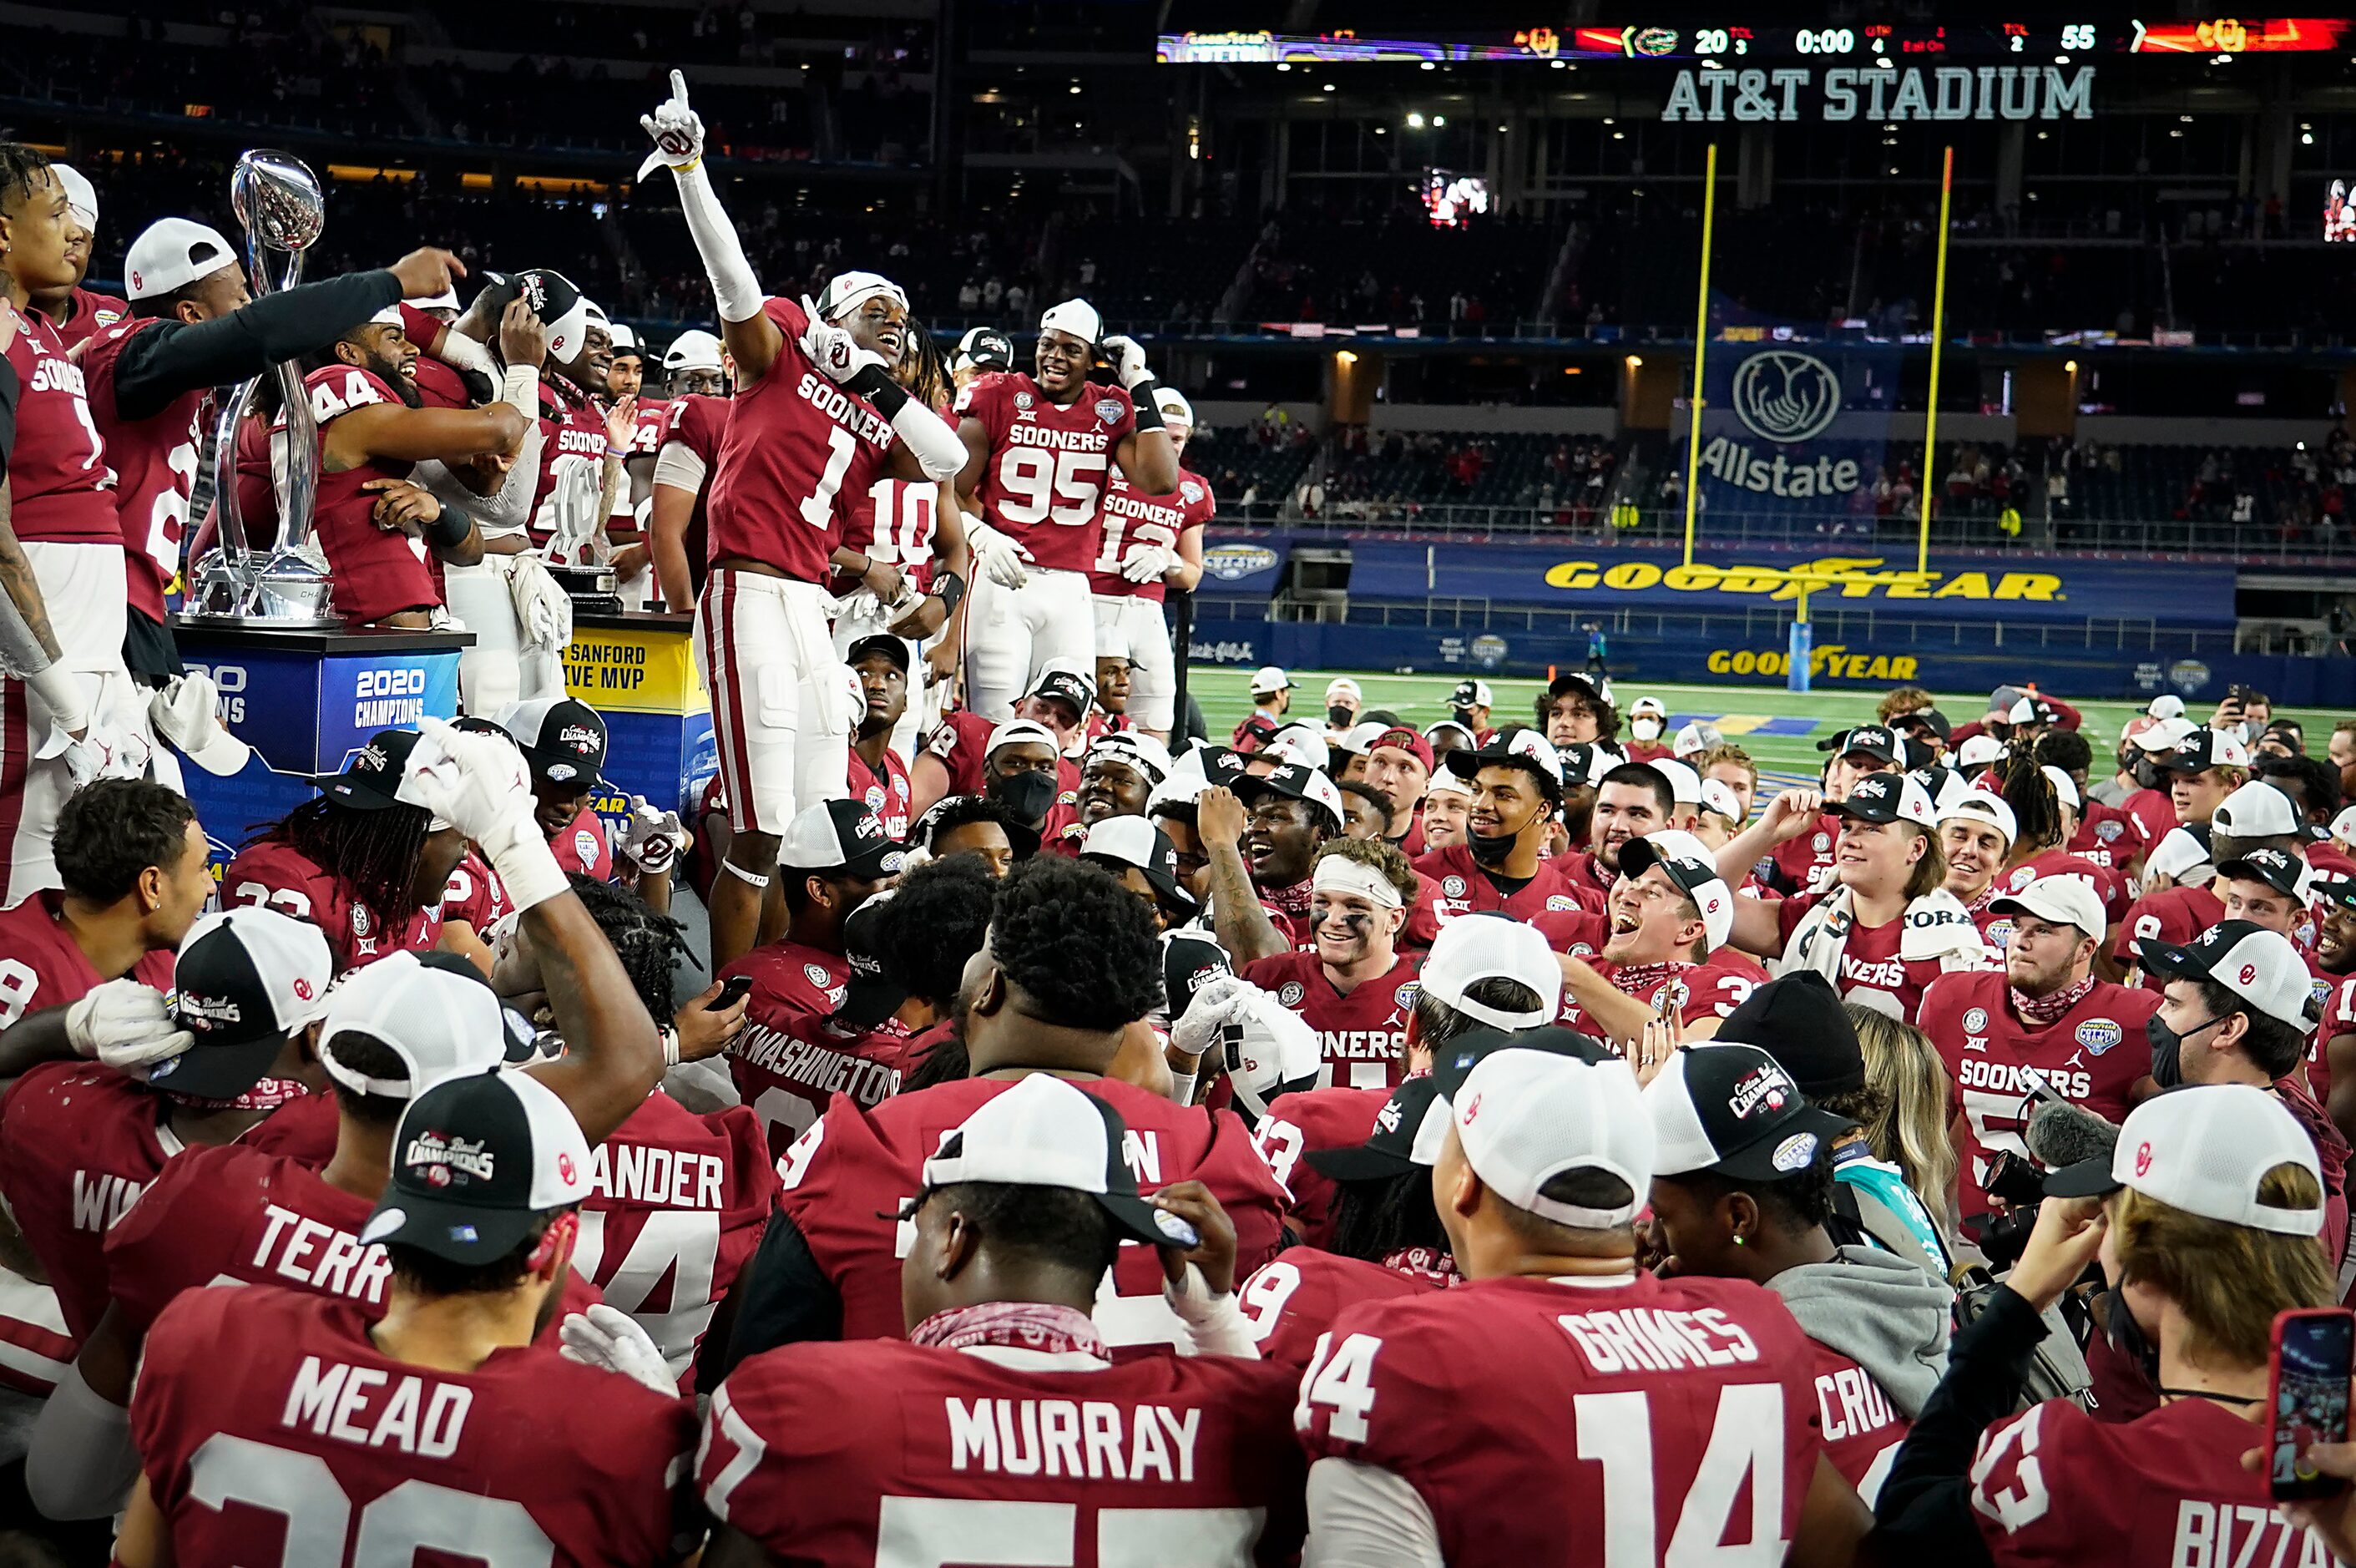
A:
(1726, 43)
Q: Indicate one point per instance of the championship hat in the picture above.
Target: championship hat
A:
(1471, 693)
(1687, 862)
(1523, 748)
(1978, 751)
(1076, 317)
(564, 738)
(2183, 855)
(625, 342)
(840, 836)
(1888, 798)
(480, 1159)
(873, 995)
(2257, 965)
(846, 292)
(1685, 784)
(244, 980)
(692, 349)
(1524, 1117)
(1733, 1109)
(1875, 741)
(1359, 739)
(564, 310)
(1486, 946)
(2206, 748)
(1294, 781)
(1173, 405)
(2256, 810)
(1017, 731)
(171, 253)
(1135, 841)
(1719, 797)
(1138, 749)
(986, 347)
(372, 774)
(2205, 1149)
(1064, 681)
(1799, 1019)
(1302, 742)
(2164, 734)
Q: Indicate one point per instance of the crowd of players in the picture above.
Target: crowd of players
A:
(1490, 1143)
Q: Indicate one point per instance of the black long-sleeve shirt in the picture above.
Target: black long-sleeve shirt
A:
(1923, 1516)
(174, 357)
(782, 1297)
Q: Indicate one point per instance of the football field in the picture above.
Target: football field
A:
(1780, 729)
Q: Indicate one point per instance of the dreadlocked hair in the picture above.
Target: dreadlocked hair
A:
(21, 168)
(373, 854)
(2034, 807)
(649, 944)
(923, 369)
(1374, 1218)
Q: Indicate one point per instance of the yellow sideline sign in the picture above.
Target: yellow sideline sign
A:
(1831, 662)
(634, 672)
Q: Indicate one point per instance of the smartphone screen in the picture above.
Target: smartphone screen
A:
(2313, 1354)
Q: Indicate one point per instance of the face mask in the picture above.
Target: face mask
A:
(2167, 1049)
(1339, 717)
(1491, 849)
(1644, 729)
(1027, 795)
(2127, 1338)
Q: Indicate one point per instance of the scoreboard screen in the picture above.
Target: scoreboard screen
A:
(1723, 44)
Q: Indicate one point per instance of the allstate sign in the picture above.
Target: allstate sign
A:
(1785, 397)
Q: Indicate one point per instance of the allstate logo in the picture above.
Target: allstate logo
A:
(1785, 397)
(1234, 563)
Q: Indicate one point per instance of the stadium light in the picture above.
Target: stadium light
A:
(1415, 121)
(1439, 120)
(1345, 357)
(1635, 362)
(2070, 365)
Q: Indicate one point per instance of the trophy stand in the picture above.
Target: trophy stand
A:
(277, 200)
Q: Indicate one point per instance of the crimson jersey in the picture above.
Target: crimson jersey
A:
(697, 422)
(1582, 933)
(2092, 1056)
(2153, 814)
(2338, 994)
(584, 845)
(476, 895)
(378, 571)
(1862, 1429)
(1131, 518)
(1799, 862)
(2174, 914)
(1871, 970)
(89, 313)
(1049, 464)
(2107, 836)
(154, 462)
(1465, 888)
(2056, 1486)
(976, 1455)
(676, 1205)
(1696, 990)
(884, 792)
(272, 1430)
(1339, 1118)
(847, 1177)
(892, 520)
(957, 742)
(571, 464)
(653, 425)
(278, 877)
(1364, 1030)
(58, 480)
(238, 1215)
(1559, 1422)
(438, 384)
(795, 454)
(1587, 876)
(1293, 1298)
(45, 967)
(789, 1061)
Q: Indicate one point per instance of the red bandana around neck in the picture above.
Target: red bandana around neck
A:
(1019, 1325)
(2045, 1009)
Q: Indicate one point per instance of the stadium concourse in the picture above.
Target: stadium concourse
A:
(669, 900)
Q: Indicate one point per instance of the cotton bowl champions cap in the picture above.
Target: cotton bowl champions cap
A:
(243, 980)
(480, 1159)
(564, 738)
(1733, 1110)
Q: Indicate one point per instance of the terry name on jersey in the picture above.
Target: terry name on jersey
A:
(314, 1253)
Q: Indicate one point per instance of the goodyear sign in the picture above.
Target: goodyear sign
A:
(1827, 661)
(640, 671)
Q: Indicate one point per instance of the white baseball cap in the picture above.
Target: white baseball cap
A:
(2065, 899)
(446, 300)
(1525, 745)
(1301, 743)
(1267, 680)
(1173, 405)
(1685, 784)
(1718, 795)
(1485, 946)
(1076, 317)
(2206, 1150)
(1342, 685)
(1045, 1132)
(1113, 642)
(1971, 805)
(694, 349)
(1647, 705)
(2166, 706)
(1524, 1117)
(438, 1018)
(171, 253)
(1447, 783)
(1696, 736)
(1148, 755)
(846, 292)
(1687, 863)
(1359, 739)
(2165, 734)
(1978, 751)
(1471, 693)
(1015, 731)
(2064, 787)
(2257, 965)
(2255, 810)
(81, 197)
(839, 835)
(2181, 855)
(1294, 781)
(2343, 826)
(1135, 841)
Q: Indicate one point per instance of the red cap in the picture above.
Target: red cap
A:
(1406, 740)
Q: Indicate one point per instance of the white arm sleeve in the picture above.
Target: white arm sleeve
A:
(81, 1462)
(939, 448)
(466, 354)
(506, 511)
(677, 466)
(733, 288)
(1363, 1516)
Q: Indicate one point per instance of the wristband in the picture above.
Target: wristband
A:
(669, 1044)
(950, 588)
(614, 451)
(449, 529)
(1148, 417)
(63, 695)
(874, 383)
(520, 388)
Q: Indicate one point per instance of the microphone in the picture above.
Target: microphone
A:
(2061, 1134)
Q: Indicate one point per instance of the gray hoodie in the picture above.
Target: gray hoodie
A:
(1881, 1312)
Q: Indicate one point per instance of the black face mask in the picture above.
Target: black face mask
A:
(2167, 1049)
(2127, 1338)
(1491, 849)
(1340, 717)
(1028, 795)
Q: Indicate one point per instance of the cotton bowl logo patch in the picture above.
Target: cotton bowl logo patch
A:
(1559, 903)
(1452, 886)
(817, 976)
(1172, 1226)
(1998, 935)
(874, 797)
(1110, 409)
(2099, 1035)
(1233, 563)
(585, 844)
(1291, 993)
(2109, 832)
(1190, 492)
(1975, 1021)
(1405, 996)
(1795, 1151)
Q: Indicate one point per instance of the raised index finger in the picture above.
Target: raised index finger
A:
(678, 86)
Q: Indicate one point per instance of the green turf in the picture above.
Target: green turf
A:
(1422, 700)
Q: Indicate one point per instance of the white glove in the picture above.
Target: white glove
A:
(102, 752)
(123, 1023)
(543, 607)
(1147, 564)
(676, 131)
(612, 1341)
(1215, 1324)
(479, 785)
(652, 839)
(1000, 558)
(1269, 1046)
(1222, 1000)
(186, 713)
(832, 350)
(1126, 357)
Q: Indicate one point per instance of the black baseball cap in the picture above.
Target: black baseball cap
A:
(892, 648)
(1190, 961)
(244, 980)
(479, 1160)
(842, 837)
(1389, 1149)
(564, 738)
(873, 995)
(1888, 798)
(370, 779)
(1063, 682)
(2205, 749)
(1799, 1020)
(1135, 841)
(2279, 871)
(986, 347)
(1874, 740)
(2340, 890)
(1293, 781)
(1735, 1111)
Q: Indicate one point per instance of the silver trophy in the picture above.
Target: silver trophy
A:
(277, 200)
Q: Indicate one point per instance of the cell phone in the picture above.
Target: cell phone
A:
(2313, 1356)
(730, 993)
(2238, 694)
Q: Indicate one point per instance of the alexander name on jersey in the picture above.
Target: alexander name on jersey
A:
(1073, 1437)
(663, 1177)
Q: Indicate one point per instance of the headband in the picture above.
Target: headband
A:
(1339, 873)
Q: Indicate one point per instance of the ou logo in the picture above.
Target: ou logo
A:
(1785, 397)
